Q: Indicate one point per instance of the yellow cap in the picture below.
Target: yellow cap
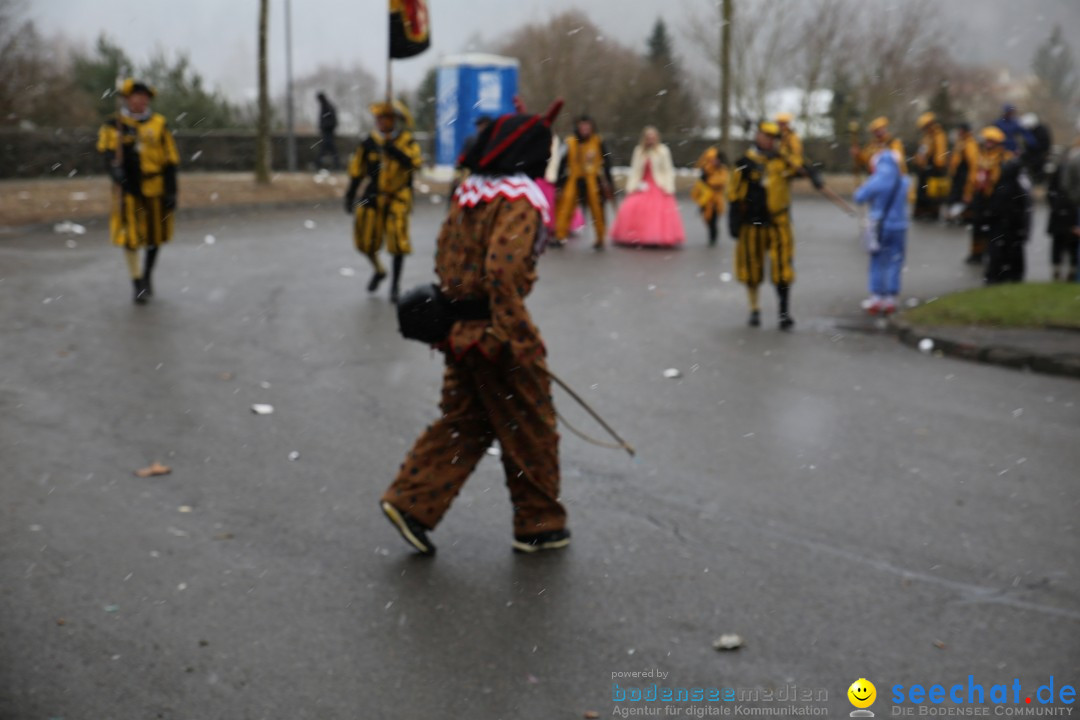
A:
(770, 128)
(925, 119)
(992, 134)
(131, 86)
(396, 108)
(784, 117)
(878, 123)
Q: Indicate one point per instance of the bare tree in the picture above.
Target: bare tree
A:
(900, 59)
(36, 86)
(262, 134)
(759, 48)
(554, 57)
(891, 60)
(820, 31)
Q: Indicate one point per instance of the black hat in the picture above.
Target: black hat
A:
(514, 143)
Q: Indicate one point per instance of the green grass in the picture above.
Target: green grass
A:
(1023, 305)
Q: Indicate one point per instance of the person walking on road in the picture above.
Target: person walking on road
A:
(886, 190)
(931, 163)
(496, 385)
(962, 161)
(328, 123)
(585, 177)
(1064, 223)
(759, 218)
(141, 158)
(1009, 224)
(981, 181)
(381, 172)
(710, 191)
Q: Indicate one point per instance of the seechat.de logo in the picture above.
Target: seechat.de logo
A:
(862, 695)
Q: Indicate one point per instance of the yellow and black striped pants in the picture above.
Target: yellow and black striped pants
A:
(757, 241)
(137, 222)
(384, 220)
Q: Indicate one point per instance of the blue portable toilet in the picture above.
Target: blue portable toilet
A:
(468, 87)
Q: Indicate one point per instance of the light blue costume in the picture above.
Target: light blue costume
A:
(887, 182)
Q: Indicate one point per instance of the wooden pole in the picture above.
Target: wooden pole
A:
(262, 135)
(725, 77)
(290, 147)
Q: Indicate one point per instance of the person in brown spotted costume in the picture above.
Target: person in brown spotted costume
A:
(495, 385)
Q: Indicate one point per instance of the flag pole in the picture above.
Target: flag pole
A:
(389, 57)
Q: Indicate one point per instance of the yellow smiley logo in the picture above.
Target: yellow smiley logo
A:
(862, 693)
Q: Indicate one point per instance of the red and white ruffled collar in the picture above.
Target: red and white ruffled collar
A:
(477, 189)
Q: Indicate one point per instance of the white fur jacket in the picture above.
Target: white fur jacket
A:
(663, 169)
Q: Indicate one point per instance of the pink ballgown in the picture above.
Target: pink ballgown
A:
(648, 217)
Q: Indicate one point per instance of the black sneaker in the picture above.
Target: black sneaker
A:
(141, 295)
(376, 280)
(395, 295)
(550, 540)
(755, 318)
(414, 533)
(786, 322)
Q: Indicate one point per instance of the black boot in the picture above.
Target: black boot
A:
(148, 269)
(140, 296)
(783, 293)
(376, 280)
(395, 280)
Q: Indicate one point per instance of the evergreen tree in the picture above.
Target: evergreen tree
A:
(426, 101)
(660, 54)
(941, 105)
(842, 110)
(96, 74)
(657, 95)
(181, 97)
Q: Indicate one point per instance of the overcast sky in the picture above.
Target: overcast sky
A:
(220, 35)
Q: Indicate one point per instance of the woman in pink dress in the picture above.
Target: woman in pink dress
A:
(648, 215)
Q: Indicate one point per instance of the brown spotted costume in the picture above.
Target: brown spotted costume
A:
(495, 385)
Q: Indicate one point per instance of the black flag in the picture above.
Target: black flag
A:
(410, 29)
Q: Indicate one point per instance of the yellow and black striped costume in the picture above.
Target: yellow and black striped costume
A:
(382, 215)
(931, 162)
(146, 187)
(760, 214)
(585, 177)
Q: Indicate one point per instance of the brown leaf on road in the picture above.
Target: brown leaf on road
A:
(592, 714)
(155, 468)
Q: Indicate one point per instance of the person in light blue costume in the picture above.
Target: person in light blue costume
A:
(886, 191)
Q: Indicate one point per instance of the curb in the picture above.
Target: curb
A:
(190, 213)
(1000, 355)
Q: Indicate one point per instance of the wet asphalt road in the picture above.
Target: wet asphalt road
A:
(850, 507)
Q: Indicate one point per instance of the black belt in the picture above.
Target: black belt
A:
(478, 309)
